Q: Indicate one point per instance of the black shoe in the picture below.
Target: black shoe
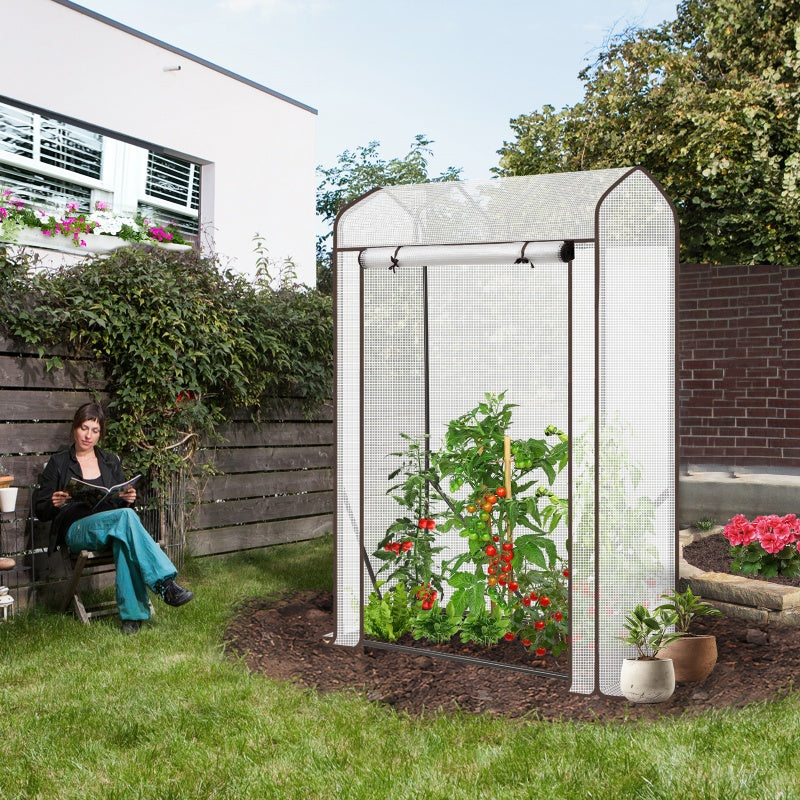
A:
(174, 595)
(130, 626)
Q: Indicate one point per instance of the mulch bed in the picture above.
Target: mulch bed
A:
(285, 640)
(713, 554)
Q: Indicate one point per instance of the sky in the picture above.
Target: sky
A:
(454, 70)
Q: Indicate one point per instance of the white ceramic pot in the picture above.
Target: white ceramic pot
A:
(647, 680)
(8, 499)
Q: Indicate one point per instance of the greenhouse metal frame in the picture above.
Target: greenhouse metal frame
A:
(559, 290)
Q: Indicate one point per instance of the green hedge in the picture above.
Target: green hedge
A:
(179, 341)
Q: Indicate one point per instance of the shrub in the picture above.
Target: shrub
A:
(179, 341)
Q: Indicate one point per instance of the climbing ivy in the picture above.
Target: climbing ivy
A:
(178, 340)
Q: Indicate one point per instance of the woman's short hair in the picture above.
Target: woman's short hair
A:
(87, 412)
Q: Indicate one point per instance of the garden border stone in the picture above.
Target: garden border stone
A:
(755, 601)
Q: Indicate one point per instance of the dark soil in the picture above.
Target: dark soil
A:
(712, 554)
(286, 641)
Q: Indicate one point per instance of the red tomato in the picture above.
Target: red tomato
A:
(423, 523)
(501, 491)
(406, 546)
(491, 499)
(430, 524)
(509, 636)
(565, 573)
(526, 642)
(540, 651)
(513, 586)
(491, 550)
(507, 546)
(558, 616)
(539, 625)
(544, 601)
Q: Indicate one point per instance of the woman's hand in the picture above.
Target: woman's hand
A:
(59, 499)
(129, 495)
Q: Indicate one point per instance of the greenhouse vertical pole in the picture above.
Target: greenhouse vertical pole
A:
(426, 375)
(596, 521)
(361, 448)
(570, 471)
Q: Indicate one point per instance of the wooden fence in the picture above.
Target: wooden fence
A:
(275, 481)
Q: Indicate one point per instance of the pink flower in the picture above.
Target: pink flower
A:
(739, 531)
(72, 206)
(3, 213)
(101, 206)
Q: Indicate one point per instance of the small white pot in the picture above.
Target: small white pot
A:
(8, 499)
(647, 680)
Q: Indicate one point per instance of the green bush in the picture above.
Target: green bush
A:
(179, 341)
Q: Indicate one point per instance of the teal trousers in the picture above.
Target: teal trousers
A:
(140, 562)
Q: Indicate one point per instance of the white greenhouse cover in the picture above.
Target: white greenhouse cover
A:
(411, 263)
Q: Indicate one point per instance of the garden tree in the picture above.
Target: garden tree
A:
(354, 174)
(709, 103)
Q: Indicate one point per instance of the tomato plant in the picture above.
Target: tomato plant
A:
(507, 581)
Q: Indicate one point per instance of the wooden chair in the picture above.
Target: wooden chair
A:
(86, 563)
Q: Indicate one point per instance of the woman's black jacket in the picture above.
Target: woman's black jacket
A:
(57, 473)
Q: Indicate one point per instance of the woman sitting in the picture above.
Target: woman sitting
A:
(140, 562)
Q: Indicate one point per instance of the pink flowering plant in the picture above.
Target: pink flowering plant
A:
(15, 214)
(75, 223)
(767, 546)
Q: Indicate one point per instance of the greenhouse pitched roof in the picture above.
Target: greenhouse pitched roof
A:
(527, 208)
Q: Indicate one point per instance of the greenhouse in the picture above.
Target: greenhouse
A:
(506, 418)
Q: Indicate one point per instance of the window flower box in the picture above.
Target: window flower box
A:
(100, 231)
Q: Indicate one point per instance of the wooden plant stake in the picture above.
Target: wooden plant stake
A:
(507, 477)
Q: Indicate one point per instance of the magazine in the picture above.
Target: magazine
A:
(93, 496)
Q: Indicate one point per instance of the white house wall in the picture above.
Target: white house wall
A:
(257, 148)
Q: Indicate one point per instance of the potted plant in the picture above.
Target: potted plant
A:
(646, 678)
(693, 656)
(8, 499)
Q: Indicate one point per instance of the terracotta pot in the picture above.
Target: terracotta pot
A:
(693, 656)
(647, 680)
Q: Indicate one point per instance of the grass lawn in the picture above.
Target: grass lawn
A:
(88, 713)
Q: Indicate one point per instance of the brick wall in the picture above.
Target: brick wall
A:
(739, 378)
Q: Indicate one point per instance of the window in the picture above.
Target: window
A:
(48, 162)
(174, 180)
(187, 225)
(42, 191)
(51, 142)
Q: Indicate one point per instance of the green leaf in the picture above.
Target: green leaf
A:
(462, 580)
